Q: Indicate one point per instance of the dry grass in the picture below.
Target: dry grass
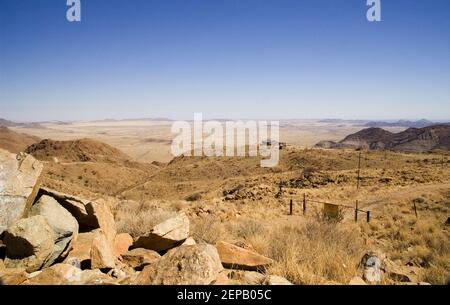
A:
(421, 242)
(312, 253)
(315, 253)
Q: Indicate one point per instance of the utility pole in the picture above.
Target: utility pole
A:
(359, 170)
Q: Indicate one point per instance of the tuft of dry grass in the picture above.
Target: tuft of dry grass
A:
(138, 218)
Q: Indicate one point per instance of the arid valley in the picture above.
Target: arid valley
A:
(232, 201)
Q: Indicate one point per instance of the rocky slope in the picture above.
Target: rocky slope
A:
(51, 238)
(15, 142)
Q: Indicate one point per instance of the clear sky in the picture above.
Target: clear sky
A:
(225, 58)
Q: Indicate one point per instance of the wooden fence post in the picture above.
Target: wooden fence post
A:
(356, 211)
(304, 204)
(415, 209)
(290, 207)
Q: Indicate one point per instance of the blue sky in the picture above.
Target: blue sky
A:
(224, 58)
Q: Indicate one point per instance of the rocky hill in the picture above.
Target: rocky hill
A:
(88, 167)
(411, 140)
(15, 142)
(82, 150)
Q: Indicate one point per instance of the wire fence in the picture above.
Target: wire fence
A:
(331, 210)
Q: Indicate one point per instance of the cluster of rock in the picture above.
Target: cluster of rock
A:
(250, 192)
(376, 268)
(51, 238)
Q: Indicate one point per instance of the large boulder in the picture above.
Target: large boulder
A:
(76, 206)
(29, 243)
(184, 265)
(140, 257)
(102, 255)
(165, 235)
(89, 215)
(235, 257)
(61, 221)
(19, 184)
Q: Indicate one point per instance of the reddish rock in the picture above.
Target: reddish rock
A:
(105, 219)
(12, 276)
(235, 257)
(102, 256)
(122, 242)
(81, 249)
(140, 257)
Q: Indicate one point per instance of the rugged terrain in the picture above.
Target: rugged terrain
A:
(235, 201)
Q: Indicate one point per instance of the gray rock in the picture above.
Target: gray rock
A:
(29, 243)
(61, 221)
(19, 184)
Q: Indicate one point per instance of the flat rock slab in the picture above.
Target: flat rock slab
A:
(19, 184)
(165, 235)
(235, 257)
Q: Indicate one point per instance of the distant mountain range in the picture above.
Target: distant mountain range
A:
(7, 123)
(402, 123)
(411, 140)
